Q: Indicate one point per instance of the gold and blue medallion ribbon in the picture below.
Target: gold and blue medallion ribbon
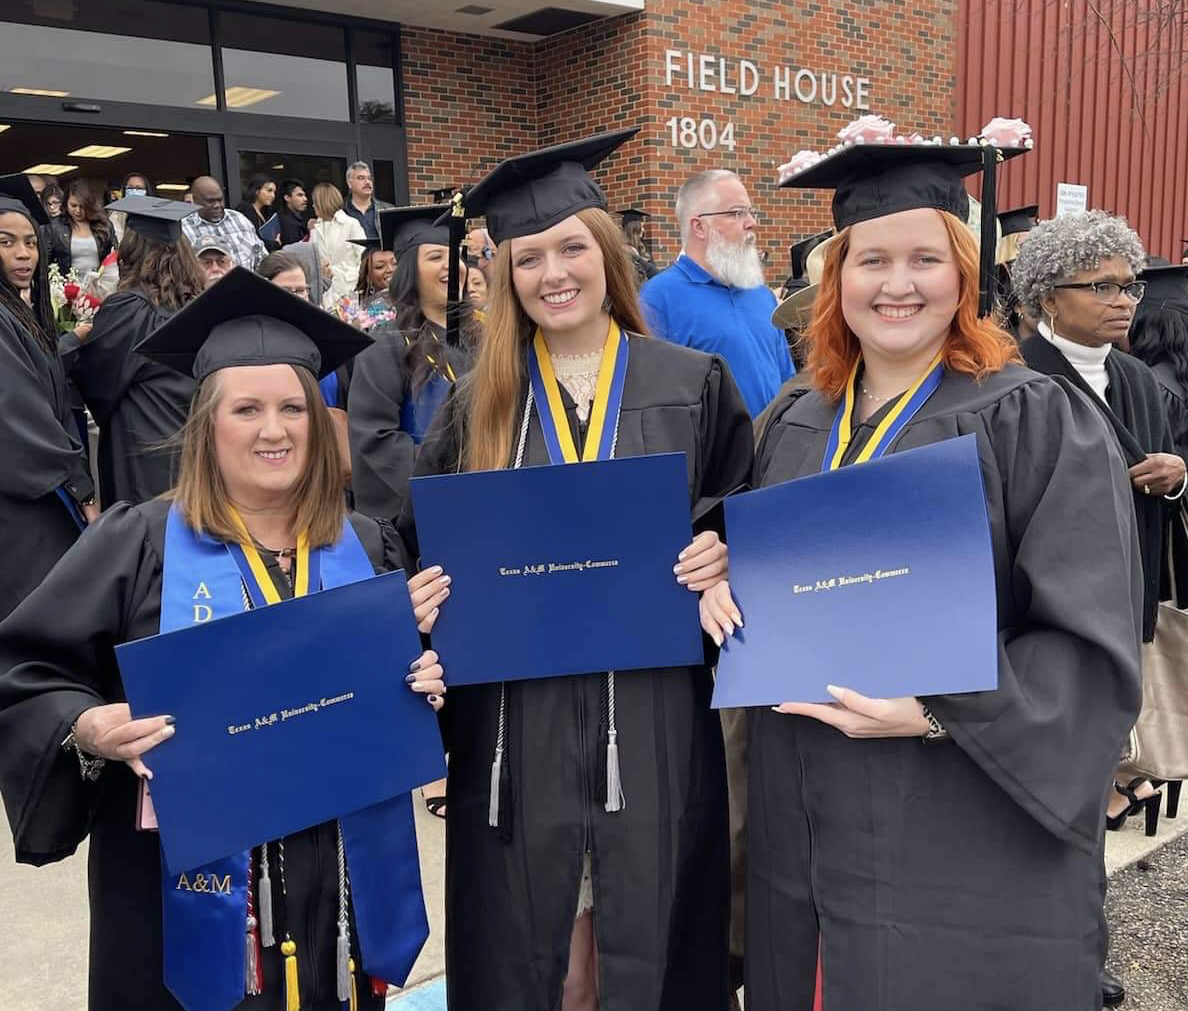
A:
(887, 430)
(204, 911)
(604, 413)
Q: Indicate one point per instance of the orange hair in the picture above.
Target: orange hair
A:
(974, 346)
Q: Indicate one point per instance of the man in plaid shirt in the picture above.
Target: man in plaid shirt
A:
(217, 223)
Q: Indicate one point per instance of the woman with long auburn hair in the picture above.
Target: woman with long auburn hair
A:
(138, 404)
(257, 517)
(944, 852)
(575, 880)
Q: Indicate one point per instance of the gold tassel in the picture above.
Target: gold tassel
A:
(292, 994)
(354, 987)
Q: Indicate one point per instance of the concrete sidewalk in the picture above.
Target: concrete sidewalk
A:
(43, 920)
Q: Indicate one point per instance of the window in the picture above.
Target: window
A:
(375, 76)
(273, 67)
(120, 51)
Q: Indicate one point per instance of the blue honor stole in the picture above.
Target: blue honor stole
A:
(205, 910)
(887, 430)
(604, 414)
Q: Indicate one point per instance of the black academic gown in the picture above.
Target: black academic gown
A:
(385, 420)
(56, 659)
(962, 874)
(137, 404)
(661, 865)
(1135, 412)
(41, 453)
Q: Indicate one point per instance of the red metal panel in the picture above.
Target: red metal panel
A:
(1104, 88)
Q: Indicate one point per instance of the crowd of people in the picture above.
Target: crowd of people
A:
(272, 376)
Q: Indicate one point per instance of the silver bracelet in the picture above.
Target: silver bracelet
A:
(1180, 493)
(89, 766)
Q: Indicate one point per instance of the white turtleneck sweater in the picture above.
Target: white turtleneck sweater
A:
(1089, 362)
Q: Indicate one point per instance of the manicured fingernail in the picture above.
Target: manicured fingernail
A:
(436, 570)
(445, 593)
(410, 679)
(446, 580)
(681, 556)
(717, 640)
(737, 619)
(682, 580)
(676, 569)
(435, 612)
(415, 666)
(728, 628)
(170, 721)
(169, 731)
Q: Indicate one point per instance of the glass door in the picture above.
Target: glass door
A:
(310, 162)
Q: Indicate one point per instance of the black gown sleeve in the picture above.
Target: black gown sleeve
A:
(440, 453)
(382, 454)
(727, 447)
(40, 455)
(1069, 681)
(105, 366)
(56, 660)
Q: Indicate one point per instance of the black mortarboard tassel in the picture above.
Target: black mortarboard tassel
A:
(154, 217)
(876, 180)
(244, 319)
(532, 192)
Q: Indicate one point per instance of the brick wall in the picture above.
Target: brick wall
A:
(470, 101)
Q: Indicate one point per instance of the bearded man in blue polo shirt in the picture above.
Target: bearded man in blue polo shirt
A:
(714, 298)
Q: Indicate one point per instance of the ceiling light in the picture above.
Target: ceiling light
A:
(98, 151)
(4, 126)
(46, 169)
(143, 133)
(173, 187)
(39, 91)
(237, 97)
(278, 167)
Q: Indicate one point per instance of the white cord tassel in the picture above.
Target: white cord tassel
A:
(251, 988)
(264, 887)
(497, 763)
(615, 800)
(343, 963)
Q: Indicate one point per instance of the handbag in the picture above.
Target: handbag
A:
(1159, 740)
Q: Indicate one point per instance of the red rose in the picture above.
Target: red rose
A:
(71, 291)
(92, 301)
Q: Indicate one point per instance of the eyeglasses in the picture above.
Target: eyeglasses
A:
(738, 213)
(1107, 291)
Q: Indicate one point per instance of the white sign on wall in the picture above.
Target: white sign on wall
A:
(1071, 198)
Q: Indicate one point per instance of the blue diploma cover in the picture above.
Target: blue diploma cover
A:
(877, 577)
(287, 716)
(563, 569)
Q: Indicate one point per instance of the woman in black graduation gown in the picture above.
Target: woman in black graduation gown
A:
(137, 403)
(1159, 338)
(59, 681)
(945, 852)
(654, 870)
(401, 380)
(45, 483)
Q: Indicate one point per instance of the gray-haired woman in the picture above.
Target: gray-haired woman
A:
(1077, 274)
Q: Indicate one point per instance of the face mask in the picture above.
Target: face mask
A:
(135, 191)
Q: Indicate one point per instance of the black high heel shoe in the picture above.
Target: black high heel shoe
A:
(1148, 804)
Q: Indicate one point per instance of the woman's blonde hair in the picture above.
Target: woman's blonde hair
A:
(975, 346)
(495, 386)
(202, 495)
(327, 200)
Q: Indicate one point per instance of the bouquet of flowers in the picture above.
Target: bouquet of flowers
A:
(74, 306)
(364, 317)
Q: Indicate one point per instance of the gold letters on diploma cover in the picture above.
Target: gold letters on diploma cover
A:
(210, 884)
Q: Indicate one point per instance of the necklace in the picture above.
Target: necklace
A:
(872, 398)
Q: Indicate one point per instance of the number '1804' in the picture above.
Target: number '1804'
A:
(689, 133)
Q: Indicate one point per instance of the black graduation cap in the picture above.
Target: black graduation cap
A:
(18, 194)
(532, 192)
(444, 194)
(876, 180)
(154, 217)
(1019, 220)
(243, 319)
(799, 252)
(1167, 284)
(633, 214)
(405, 228)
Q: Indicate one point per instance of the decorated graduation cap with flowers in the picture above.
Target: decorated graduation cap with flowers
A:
(875, 171)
